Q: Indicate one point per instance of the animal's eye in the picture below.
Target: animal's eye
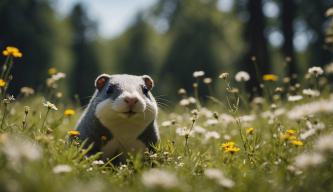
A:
(110, 89)
(145, 90)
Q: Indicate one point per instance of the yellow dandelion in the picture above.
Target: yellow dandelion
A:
(290, 132)
(232, 150)
(227, 145)
(52, 71)
(73, 133)
(249, 131)
(2, 83)
(286, 136)
(69, 112)
(12, 51)
(270, 77)
(297, 142)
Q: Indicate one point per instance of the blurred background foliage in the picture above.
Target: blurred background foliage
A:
(168, 41)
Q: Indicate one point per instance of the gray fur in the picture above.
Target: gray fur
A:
(92, 130)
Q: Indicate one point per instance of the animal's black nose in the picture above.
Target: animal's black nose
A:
(131, 101)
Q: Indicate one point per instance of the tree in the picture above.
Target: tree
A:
(85, 59)
(196, 32)
(136, 56)
(313, 14)
(287, 18)
(257, 44)
(28, 25)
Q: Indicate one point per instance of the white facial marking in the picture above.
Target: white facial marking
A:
(120, 105)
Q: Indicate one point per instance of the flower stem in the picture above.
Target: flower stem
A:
(47, 112)
(4, 116)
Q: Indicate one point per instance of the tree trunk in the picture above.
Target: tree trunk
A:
(287, 17)
(257, 44)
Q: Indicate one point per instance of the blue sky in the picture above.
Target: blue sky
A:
(113, 16)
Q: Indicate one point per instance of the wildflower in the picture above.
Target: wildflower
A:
(279, 90)
(242, 76)
(329, 12)
(297, 142)
(9, 99)
(98, 162)
(315, 125)
(212, 122)
(58, 76)
(286, 80)
(319, 106)
(59, 95)
(69, 112)
(2, 83)
(182, 131)
(197, 74)
(62, 168)
(50, 105)
(211, 135)
(166, 123)
(289, 135)
(227, 145)
(184, 102)
(247, 118)
(224, 76)
(270, 77)
(249, 131)
(26, 91)
(258, 100)
(192, 100)
(324, 143)
(329, 68)
(232, 150)
(19, 149)
(294, 98)
(218, 177)
(52, 71)
(207, 80)
(73, 133)
(194, 112)
(232, 90)
(198, 129)
(12, 51)
(157, 178)
(316, 71)
(311, 92)
(307, 134)
(291, 132)
(306, 160)
(182, 91)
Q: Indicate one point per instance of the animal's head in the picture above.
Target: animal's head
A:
(125, 96)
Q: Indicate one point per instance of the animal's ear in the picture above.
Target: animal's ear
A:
(101, 80)
(148, 82)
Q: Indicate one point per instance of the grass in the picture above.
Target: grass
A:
(279, 145)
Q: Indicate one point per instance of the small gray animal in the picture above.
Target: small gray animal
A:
(121, 116)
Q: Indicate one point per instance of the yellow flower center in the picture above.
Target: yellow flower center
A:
(73, 133)
(270, 77)
(2, 83)
(69, 112)
(12, 51)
